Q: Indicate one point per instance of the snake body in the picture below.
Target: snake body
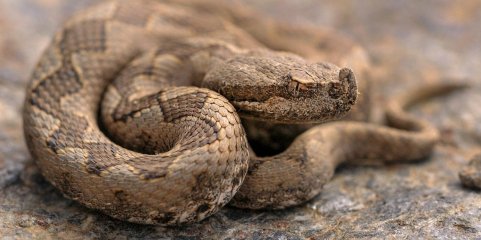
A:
(135, 109)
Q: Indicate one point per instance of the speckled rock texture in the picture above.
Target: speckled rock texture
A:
(409, 43)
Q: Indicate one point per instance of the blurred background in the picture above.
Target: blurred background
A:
(409, 43)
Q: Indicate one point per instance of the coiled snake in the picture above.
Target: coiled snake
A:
(135, 109)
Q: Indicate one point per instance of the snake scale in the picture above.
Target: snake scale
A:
(135, 109)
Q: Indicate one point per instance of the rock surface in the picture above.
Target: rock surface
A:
(409, 42)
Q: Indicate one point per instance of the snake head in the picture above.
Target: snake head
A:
(284, 88)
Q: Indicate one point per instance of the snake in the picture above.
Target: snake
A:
(140, 109)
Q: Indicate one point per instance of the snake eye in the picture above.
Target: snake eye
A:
(296, 85)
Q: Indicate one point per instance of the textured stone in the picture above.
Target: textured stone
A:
(409, 42)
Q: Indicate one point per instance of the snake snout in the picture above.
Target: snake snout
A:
(346, 88)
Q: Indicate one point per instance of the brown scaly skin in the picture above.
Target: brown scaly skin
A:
(156, 146)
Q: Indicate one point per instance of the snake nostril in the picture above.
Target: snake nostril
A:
(335, 91)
